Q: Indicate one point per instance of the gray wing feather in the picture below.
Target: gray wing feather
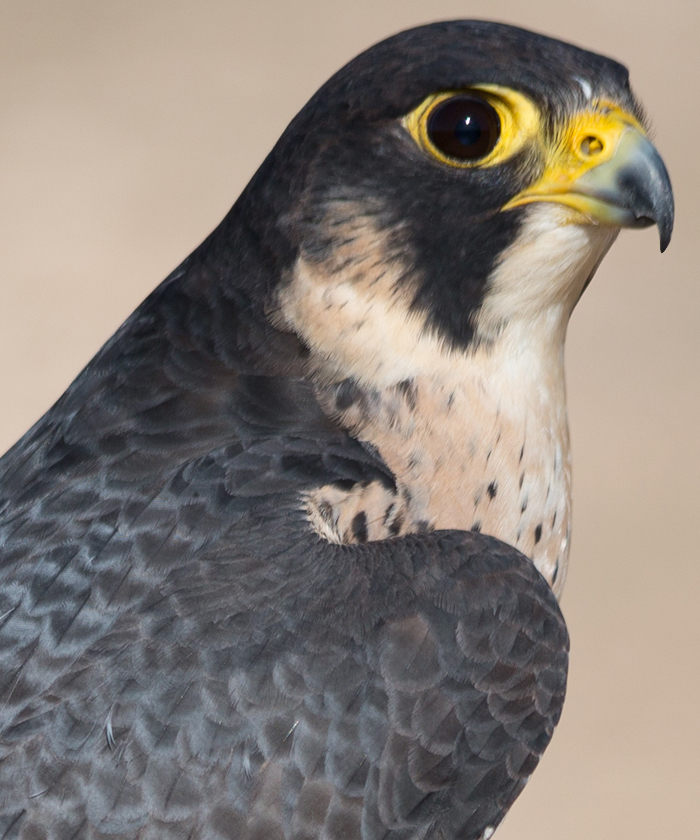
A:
(181, 657)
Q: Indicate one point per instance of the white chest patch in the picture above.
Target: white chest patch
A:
(476, 439)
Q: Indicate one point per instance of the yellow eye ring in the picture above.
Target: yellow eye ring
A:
(499, 124)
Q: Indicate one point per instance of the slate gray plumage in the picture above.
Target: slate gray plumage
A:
(175, 636)
(181, 654)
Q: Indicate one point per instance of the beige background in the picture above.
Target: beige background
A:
(127, 129)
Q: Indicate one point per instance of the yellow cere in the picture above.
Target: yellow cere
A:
(588, 140)
(518, 116)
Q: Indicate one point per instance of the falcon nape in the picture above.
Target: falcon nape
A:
(282, 561)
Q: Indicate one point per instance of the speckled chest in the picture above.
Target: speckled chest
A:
(476, 436)
(463, 458)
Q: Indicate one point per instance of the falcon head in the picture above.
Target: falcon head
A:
(462, 176)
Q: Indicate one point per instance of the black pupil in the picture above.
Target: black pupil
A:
(464, 127)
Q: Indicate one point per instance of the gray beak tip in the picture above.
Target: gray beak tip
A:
(664, 221)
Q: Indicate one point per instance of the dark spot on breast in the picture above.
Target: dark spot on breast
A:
(522, 478)
(554, 520)
(556, 572)
(359, 526)
(538, 533)
(523, 507)
(325, 510)
(492, 489)
(415, 460)
(346, 394)
(476, 527)
(488, 455)
(408, 389)
(522, 452)
(395, 526)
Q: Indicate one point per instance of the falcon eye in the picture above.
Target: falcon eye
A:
(474, 127)
(465, 128)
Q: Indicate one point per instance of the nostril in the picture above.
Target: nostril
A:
(591, 146)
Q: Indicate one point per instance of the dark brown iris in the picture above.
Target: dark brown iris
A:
(464, 127)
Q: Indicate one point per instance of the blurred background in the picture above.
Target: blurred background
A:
(128, 128)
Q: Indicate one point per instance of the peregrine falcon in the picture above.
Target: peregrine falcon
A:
(283, 561)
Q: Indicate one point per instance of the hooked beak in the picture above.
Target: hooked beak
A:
(607, 168)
